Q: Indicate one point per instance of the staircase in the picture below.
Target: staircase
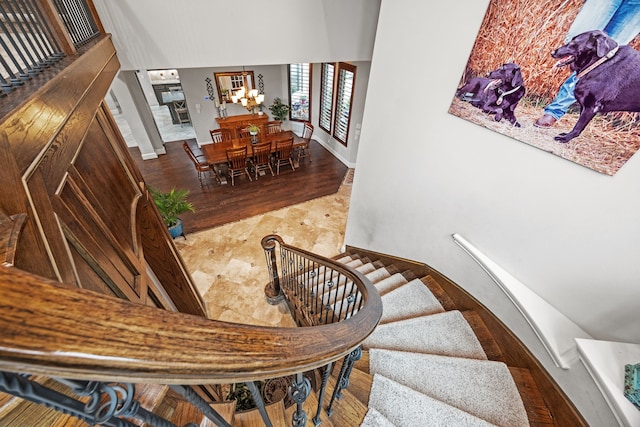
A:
(436, 359)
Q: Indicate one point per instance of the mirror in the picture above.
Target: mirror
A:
(227, 83)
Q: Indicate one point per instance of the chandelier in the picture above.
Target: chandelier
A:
(250, 99)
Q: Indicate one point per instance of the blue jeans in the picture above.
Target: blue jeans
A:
(620, 19)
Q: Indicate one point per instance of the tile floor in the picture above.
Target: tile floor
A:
(229, 267)
(228, 264)
(168, 131)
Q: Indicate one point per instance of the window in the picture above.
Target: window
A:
(326, 97)
(336, 98)
(344, 99)
(300, 92)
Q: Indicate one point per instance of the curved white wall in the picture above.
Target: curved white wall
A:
(567, 232)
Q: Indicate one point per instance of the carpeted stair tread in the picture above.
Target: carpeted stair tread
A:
(375, 419)
(380, 273)
(366, 268)
(407, 301)
(390, 283)
(403, 406)
(445, 333)
(482, 388)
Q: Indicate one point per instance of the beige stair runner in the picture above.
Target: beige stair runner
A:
(429, 367)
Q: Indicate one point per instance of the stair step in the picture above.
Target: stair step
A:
(359, 383)
(380, 273)
(489, 345)
(403, 406)
(310, 406)
(445, 333)
(390, 283)
(408, 301)
(537, 410)
(439, 293)
(347, 411)
(483, 388)
(252, 418)
(375, 419)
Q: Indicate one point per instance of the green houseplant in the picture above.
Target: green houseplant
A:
(171, 204)
(279, 110)
(253, 129)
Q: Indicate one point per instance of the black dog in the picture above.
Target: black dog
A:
(498, 93)
(608, 76)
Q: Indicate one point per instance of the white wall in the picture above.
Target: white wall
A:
(202, 33)
(569, 233)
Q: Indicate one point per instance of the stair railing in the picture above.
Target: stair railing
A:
(318, 291)
(63, 332)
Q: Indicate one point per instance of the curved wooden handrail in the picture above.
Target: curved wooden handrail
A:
(50, 329)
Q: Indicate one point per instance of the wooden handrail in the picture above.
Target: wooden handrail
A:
(51, 329)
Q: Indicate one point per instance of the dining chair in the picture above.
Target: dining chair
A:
(237, 163)
(305, 149)
(261, 157)
(220, 135)
(243, 132)
(284, 154)
(201, 165)
(182, 112)
(274, 126)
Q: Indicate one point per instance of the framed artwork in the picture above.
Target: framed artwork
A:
(560, 75)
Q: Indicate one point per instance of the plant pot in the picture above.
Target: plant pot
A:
(176, 230)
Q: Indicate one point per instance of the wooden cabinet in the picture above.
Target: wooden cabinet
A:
(234, 122)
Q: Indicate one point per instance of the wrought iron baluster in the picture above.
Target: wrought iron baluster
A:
(343, 378)
(197, 401)
(325, 379)
(259, 402)
(299, 391)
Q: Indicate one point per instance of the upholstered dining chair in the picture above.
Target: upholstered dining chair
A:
(274, 126)
(237, 163)
(284, 154)
(201, 165)
(261, 157)
(220, 135)
(305, 150)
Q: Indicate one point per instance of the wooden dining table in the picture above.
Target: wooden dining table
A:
(216, 153)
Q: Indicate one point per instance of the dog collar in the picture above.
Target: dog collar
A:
(599, 62)
(503, 94)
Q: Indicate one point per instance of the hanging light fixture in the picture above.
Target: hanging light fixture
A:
(250, 99)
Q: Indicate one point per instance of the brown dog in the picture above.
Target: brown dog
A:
(608, 76)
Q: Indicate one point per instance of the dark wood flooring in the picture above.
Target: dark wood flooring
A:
(217, 204)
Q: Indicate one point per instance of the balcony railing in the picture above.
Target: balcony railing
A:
(33, 36)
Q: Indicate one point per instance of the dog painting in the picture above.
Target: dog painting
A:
(498, 93)
(608, 76)
(518, 69)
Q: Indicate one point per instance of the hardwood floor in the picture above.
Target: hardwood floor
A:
(217, 204)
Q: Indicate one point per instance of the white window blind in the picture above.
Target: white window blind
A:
(326, 96)
(300, 91)
(344, 98)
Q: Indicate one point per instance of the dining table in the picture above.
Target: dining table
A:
(216, 153)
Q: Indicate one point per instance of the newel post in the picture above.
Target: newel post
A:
(272, 290)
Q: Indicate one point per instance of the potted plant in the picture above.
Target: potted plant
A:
(279, 110)
(253, 129)
(171, 204)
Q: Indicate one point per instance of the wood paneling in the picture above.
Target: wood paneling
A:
(87, 207)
